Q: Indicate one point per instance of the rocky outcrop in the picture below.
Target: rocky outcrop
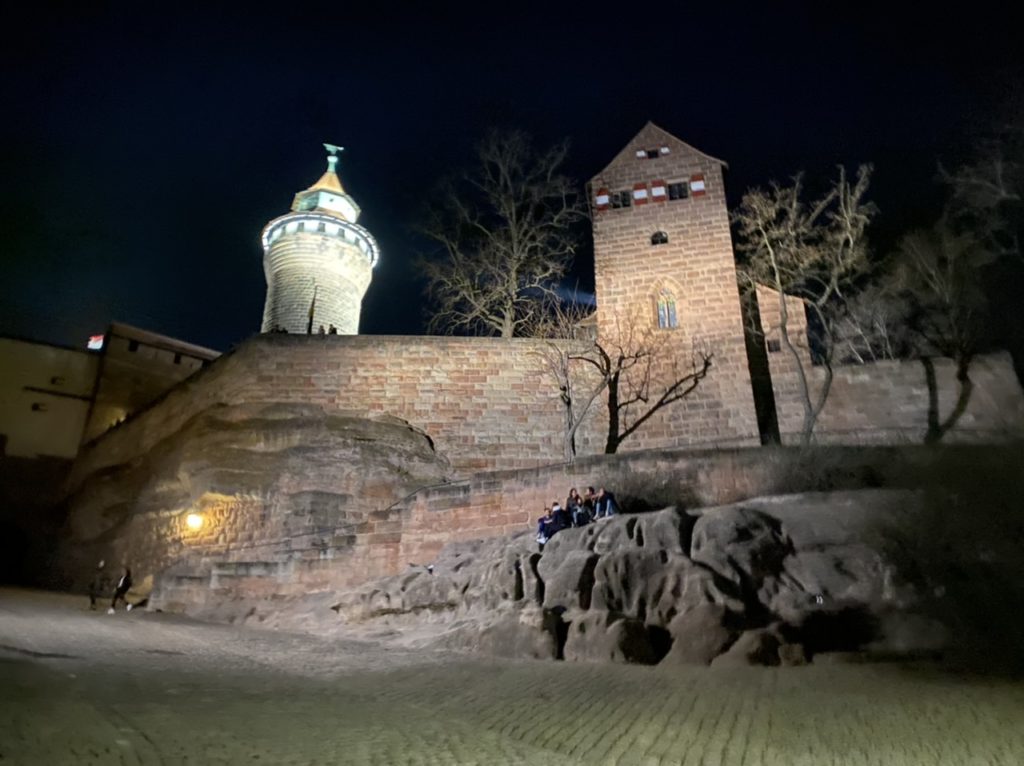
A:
(767, 581)
(271, 484)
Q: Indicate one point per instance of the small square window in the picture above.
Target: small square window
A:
(133, 346)
(659, 238)
(177, 358)
(653, 154)
(57, 380)
(774, 345)
(679, 190)
(622, 198)
(38, 407)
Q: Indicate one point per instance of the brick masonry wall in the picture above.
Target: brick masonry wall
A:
(887, 402)
(484, 401)
(413, 532)
(697, 265)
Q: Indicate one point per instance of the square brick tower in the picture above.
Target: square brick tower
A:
(664, 265)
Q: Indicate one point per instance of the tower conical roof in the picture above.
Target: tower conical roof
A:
(329, 181)
(327, 195)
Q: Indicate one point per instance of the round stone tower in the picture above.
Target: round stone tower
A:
(318, 261)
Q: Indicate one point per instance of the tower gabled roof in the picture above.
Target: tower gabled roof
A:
(652, 135)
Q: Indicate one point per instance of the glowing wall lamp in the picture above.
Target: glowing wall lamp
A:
(194, 521)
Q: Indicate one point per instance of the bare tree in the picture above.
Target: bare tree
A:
(633, 366)
(872, 325)
(569, 334)
(987, 194)
(813, 251)
(505, 234)
(939, 271)
(642, 375)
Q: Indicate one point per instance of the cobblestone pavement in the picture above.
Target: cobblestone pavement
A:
(80, 687)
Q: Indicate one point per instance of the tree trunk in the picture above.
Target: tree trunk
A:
(570, 421)
(812, 411)
(612, 442)
(965, 386)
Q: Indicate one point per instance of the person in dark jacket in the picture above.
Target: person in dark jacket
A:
(98, 584)
(560, 519)
(121, 591)
(554, 520)
(577, 510)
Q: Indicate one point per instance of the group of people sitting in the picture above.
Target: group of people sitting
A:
(577, 512)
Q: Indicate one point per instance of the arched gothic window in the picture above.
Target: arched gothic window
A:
(667, 319)
(659, 238)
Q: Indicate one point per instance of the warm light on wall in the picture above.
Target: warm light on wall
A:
(194, 521)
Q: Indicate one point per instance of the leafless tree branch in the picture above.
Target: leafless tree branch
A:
(814, 251)
(504, 237)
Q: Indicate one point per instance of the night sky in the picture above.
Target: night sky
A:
(143, 153)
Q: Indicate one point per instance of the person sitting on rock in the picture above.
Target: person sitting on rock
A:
(553, 521)
(542, 526)
(560, 519)
(604, 504)
(577, 511)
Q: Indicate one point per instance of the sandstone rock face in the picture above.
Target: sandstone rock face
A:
(767, 581)
(700, 635)
(275, 486)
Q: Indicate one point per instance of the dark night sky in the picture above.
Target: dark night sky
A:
(142, 153)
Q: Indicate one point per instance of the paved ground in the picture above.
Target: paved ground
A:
(79, 687)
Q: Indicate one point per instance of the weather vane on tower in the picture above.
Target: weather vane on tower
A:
(332, 160)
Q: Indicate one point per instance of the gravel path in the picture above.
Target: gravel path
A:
(80, 687)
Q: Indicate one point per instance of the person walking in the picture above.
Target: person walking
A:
(98, 584)
(121, 591)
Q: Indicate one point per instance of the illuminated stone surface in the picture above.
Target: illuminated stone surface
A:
(271, 482)
(792, 571)
(317, 251)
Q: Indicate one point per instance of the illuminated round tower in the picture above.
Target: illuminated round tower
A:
(318, 261)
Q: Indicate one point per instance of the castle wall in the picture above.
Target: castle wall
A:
(45, 392)
(484, 401)
(226, 566)
(886, 402)
(696, 265)
(136, 368)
